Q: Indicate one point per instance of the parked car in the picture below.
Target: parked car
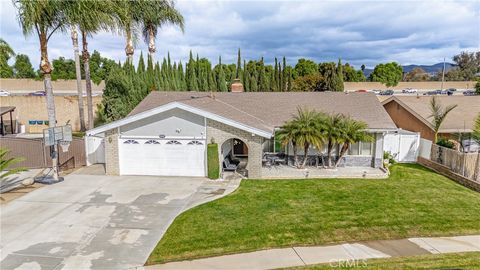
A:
(38, 93)
(451, 89)
(361, 91)
(387, 92)
(376, 92)
(4, 93)
(469, 93)
(431, 93)
(409, 91)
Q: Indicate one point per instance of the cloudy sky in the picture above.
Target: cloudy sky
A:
(358, 32)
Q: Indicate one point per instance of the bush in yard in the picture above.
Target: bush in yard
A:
(445, 143)
(213, 161)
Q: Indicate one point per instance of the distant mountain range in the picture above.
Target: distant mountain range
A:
(431, 69)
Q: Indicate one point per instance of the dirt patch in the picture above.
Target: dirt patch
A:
(18, 192)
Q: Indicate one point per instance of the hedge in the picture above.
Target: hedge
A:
(213, 161)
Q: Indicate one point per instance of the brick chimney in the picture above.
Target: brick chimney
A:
(237, 86)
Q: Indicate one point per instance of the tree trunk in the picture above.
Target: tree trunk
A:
(129, 50)
(151, 43)
(46, 70)
(305, 154)
(79, 78)
(88, 81)
(329, 152)
(476, 173)
(295, 158)
(343, 150)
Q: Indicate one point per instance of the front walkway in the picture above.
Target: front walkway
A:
(283, 171)
(298, 256)
(94, 221)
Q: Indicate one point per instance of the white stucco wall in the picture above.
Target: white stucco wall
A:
(175, 123)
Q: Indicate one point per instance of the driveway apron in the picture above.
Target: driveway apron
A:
(92, 221)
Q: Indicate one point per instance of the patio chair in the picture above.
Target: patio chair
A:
(228, 166)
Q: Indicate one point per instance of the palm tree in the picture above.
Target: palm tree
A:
(90, 17)
(43, 18)
(128, 16)
(6, 163)
(288, 134)
(305, 129)
(476, 137)
(352, 131)
(332, 133)
(160, 13)
(6, 52)
(438, 113)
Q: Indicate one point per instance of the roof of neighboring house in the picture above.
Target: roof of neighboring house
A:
(460, 119)
(30, 85)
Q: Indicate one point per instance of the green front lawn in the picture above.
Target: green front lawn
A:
(438, 261)
(414, 201)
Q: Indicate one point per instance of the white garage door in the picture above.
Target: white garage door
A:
(162, 157)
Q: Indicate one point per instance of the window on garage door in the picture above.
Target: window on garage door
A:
(152, 142)
(195, 143)
(174, 142)
(130, 142)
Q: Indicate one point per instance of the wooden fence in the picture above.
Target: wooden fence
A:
(465, 164)
(37, 155)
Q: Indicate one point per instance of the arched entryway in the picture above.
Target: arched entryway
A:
(234, 156)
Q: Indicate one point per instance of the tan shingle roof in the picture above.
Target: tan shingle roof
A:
(267, 110)
(460, 119)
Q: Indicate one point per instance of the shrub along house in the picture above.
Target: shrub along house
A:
(167, 133)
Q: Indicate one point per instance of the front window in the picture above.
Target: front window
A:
(366, 149)
(353, 150)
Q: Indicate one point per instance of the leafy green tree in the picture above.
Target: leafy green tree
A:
(333, 133)
(352, 75)
(192, 82)
(477, 87)
(305, 67)
(239, 65)
(63, 69)
(339, 78)
(438, 113)
(389, 74)
(6, 52)
(329, 73)
(22, 67)
(467, 66)
(307, 83)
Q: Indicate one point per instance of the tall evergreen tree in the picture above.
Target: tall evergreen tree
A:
(284, 75)
(141, 64)
(289, 84)
(239, 65)
(222, 86)
(339, 81)
(192, 82)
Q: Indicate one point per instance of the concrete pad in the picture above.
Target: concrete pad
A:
(21, 262)
(265, 259)
(359, 251)
(400, 247)
(448, 244)
(93, 221)
(314, 255)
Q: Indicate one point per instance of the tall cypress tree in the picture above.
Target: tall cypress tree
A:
(289, 83)
(284, 75)
(141, 64)
(192, 82)
(181, 77)
(339, 86)
(222, 86)
(263, 83)
(239, 65)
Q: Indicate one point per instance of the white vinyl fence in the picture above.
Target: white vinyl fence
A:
(425, 148)
(402, 145)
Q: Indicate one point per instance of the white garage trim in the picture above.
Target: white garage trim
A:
(182, 106)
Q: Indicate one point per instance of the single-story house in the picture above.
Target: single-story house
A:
(167, 133)
(413, 113)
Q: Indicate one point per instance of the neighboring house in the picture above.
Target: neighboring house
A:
(31, 111)
(167, 133)
(412, 113)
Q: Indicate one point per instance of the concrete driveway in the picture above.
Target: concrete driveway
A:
(97, 221)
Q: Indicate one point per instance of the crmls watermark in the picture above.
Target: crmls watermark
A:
(348, 263)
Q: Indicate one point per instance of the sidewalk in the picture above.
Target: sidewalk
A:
(298, 256)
